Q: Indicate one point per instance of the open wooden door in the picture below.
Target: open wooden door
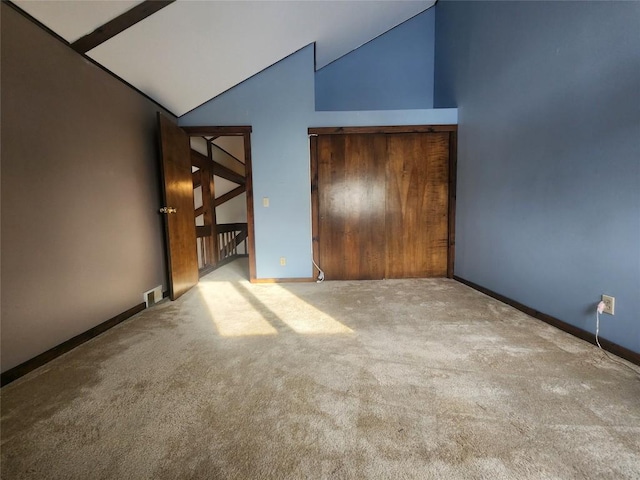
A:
(178, 207)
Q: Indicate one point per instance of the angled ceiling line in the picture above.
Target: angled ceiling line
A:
(65, 42)
(36, 22)
(316, 69)
(119, 24)
(243, 81)
(161, 55)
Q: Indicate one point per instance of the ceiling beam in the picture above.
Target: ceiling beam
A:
(228, 174)
(229, 195)
(119, 24)
(200, 160)
(235, 159)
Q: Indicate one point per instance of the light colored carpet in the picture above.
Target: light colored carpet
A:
(397, 379)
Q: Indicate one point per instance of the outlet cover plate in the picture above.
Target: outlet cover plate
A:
(609, 304)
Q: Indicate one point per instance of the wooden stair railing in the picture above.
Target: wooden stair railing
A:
(230, 236)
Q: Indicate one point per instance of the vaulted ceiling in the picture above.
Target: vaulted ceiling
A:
(188, 52)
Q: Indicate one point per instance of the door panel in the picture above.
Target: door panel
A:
(382, 203)
(417, 205)
(351, 189)
(178, 193)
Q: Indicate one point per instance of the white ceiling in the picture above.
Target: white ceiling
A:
(191, 51)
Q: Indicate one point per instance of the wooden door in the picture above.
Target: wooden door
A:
(351, 189)
(417, 202)
(383, 201)
(180, 228)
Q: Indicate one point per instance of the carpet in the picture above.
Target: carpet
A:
(393, 379)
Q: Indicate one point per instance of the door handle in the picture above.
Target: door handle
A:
(168, 210)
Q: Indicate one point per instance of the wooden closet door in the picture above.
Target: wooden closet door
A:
(417, 194)
(351, 210)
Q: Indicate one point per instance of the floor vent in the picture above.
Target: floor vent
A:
(152, 296)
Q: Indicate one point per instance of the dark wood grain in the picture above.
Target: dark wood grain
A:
(232, 227)
(178, 193)
(229, 195)
(203, 231)
(221, 150)
(351, 189)
(453, 174)
(199, 160)
(416, 205)
(234, 238)
(249, 189)
(228, 174)
(208, 215)
(196, 179)
(382, 129)
(119, 24)
(313, 142)
(211, 217)
(245, 181)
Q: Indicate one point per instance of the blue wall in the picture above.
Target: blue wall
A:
(393, 71)
(548, 204)
(279, 104)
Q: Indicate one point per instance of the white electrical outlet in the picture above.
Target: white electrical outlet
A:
(283, 261)
(609, 304)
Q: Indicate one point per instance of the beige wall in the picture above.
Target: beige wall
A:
(81, 236)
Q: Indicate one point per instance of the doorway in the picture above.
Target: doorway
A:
(219, 192)
(194, 161)
(223, 203)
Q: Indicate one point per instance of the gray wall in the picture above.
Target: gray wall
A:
(81, 237)
(548, 97)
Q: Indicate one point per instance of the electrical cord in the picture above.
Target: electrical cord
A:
(321, 274)
(599, 310)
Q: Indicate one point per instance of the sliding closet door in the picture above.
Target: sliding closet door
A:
(417, 202)
(383, 201)
(351, 207)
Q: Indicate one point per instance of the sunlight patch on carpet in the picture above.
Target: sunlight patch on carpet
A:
(232, 315)
(242, 309)
(299, 315)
